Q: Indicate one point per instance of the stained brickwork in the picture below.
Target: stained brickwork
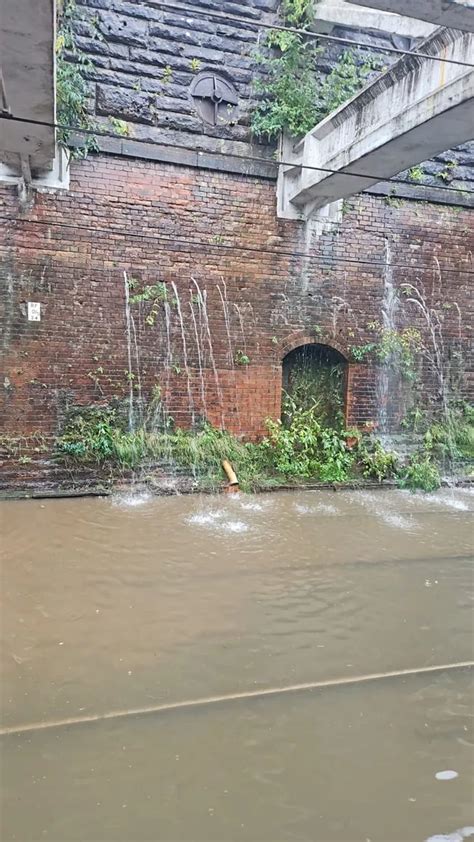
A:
(239, 284)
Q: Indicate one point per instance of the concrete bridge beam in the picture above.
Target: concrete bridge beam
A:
(455, 14)
(416, 109)
(27, 66)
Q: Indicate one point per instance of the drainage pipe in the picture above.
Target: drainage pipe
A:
(230, 473)
(232, 697)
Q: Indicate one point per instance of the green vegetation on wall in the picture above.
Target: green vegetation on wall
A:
(291, 99)
(71, 87)
(399, 347)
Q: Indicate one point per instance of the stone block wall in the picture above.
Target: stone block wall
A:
(240, 285)
(143, 59)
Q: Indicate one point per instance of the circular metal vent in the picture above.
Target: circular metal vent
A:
(215, 99)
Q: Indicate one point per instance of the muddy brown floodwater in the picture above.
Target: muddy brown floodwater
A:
(131, 602)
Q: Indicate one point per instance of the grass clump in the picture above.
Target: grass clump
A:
(98, 438)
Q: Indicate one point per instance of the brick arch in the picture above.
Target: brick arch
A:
(300, 337)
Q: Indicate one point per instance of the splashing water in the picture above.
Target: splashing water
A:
(319, 509)
(206, 518)
(218, 520)
(242, 328)
(378, 508)
(132, 500)
(447, 498)
(225, 308)
(236, 526)
(455, 836)
(137, 360)
(169, 350)
(251, 507)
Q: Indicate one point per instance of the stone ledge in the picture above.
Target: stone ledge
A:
(187, 157)
(420, 193)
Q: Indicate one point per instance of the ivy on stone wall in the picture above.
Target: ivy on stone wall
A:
(71, 87)
(291, 98)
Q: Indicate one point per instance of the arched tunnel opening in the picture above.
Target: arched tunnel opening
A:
(315, 376)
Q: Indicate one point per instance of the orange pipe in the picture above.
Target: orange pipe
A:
(230, 473)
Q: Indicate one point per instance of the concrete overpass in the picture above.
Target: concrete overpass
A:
(27, 71)
(455, 14)
(416, 109)
(335, 13)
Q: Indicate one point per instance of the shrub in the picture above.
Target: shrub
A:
(305, 448)
(452, 438)
(421, 473)
(376, 462)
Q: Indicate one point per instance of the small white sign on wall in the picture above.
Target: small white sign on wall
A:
(34, 311)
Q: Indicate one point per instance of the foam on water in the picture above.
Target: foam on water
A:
(446, 775)
(454, 836)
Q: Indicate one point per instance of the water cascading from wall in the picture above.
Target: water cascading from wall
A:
(226, 311)
(128, 322)
(138, 383)
(202, 298)
(199, 340)
(387, 376)
(185, 354)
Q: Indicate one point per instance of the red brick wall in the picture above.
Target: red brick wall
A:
(172, 224)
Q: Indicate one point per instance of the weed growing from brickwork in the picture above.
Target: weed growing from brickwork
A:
(17, 447)
(400, 347)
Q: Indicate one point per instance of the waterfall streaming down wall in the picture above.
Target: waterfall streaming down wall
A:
(387, 379)
(202, 298)
(128, 322)
(185, 353)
